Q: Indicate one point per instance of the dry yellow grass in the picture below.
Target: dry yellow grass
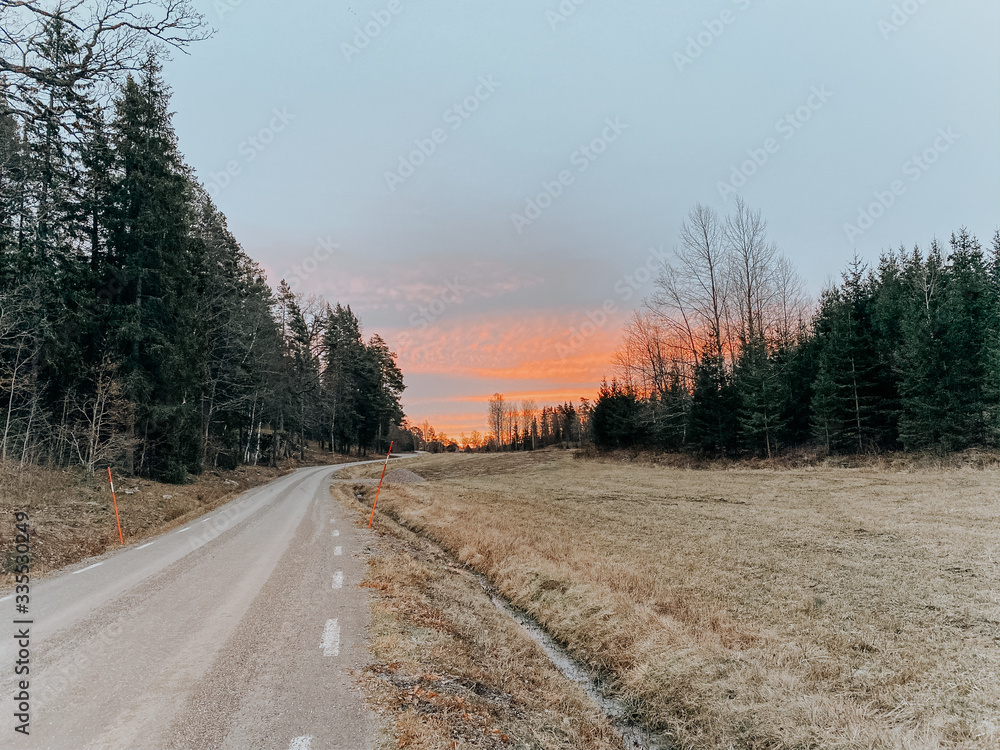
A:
(810, 608)
(452, 672)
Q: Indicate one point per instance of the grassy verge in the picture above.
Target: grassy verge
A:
(72, 516)
(448, 669)
(821, 607)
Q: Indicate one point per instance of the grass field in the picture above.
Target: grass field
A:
(450, 671)
(808, 608)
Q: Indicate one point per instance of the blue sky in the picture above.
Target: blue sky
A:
(479, 108)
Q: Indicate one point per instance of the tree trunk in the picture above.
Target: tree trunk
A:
(256, 453)
(10, 401)
(207, 426)
(857, 404)
(27, 431)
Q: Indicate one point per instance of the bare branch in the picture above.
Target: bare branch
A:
(110, 38)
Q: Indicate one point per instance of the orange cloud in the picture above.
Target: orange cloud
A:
(554, 347)
(548, 357)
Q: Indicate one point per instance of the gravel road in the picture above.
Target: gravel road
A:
(240, 630)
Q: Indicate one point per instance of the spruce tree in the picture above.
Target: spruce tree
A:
(150, 251)
(993, 346)
(714, 403)
(763, 398)
(855, 396)
(923, 358)
(946, 363)
(12, 168)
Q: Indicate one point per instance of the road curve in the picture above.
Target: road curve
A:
(239, 630)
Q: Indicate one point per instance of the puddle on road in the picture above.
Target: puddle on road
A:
(633, 735)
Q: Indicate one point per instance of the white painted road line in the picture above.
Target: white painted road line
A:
(87, 568)
(338, 579)
(338, 550)
(331, 639)
(301, 743)
(335, 531)
(150, 544)
(6, 598)
(183, 530)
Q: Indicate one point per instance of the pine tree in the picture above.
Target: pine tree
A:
(150, 251)
(763, 398)
(668, 413)
(234, 341)
(387, 387)
(12, 191)
(993, 346)
(344, 354)
(714, 403)
(53, 158)
(946, 355)
(797, 365)
(855, 397)
(971, 318)
(923, 358)
(94, 210)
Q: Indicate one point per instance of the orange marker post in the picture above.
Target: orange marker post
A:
(115, 500)
(380, 485)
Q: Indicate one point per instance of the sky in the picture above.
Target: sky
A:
(488, 184)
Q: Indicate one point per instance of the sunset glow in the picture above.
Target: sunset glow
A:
(547, 357)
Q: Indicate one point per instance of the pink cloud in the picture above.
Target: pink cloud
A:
(549, 357)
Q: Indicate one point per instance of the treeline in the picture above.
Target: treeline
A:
(134, 330)
(525, 426)
(729, 359)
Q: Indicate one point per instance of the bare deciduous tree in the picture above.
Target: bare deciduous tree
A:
(648, 354)
(111, 37)
(19, 347)
(726, 287)
(753, 265)
(692, 295)
(528, 415)
(101, 431)
(792, 308)
(497, 415)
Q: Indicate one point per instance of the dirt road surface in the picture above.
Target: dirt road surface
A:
(240, 630)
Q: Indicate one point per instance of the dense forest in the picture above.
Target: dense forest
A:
(729, 358)
(134, 330)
